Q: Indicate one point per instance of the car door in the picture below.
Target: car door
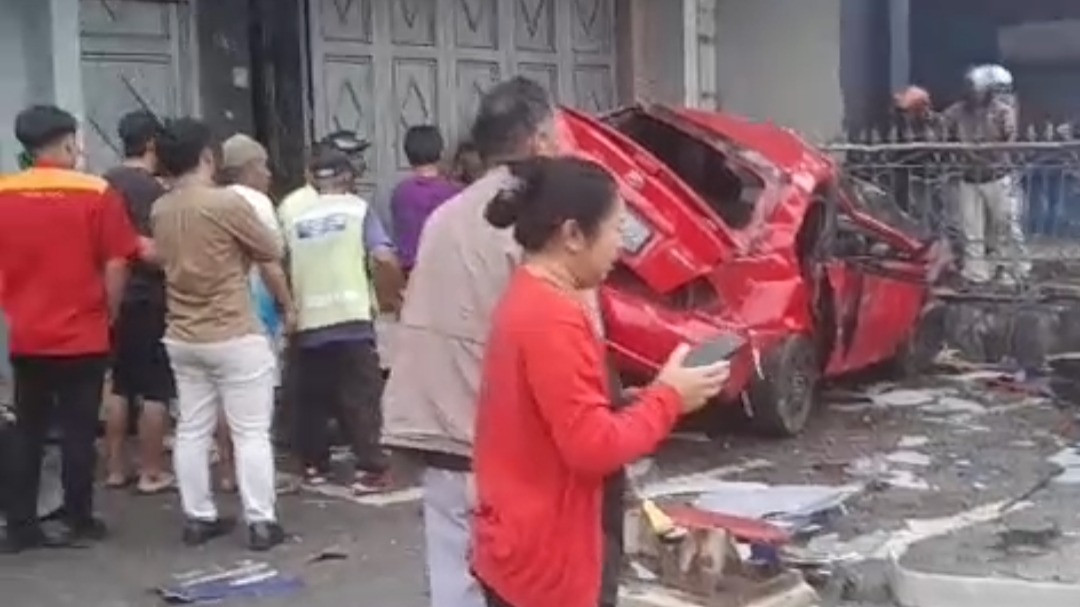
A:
(880, 279)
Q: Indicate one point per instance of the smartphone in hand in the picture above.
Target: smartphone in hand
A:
(715, 349)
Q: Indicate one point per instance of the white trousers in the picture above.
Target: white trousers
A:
(989, 216)
(237, 375)
(448, 505)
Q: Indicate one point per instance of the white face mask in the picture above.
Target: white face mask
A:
(81, 160)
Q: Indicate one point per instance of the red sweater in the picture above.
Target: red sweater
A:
(546, 437)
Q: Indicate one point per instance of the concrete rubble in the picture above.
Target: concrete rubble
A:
(708, 568)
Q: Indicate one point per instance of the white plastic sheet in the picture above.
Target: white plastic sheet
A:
(775, 503)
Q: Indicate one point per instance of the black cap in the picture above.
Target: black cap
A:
(330, 163)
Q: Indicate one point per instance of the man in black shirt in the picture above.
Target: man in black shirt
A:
(141, 378)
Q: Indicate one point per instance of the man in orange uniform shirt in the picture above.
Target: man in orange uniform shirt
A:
(64, 256)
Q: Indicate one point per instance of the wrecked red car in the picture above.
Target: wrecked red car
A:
(742, 228)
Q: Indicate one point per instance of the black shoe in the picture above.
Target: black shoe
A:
(17, 541)
(197, 532)
(91, 529)
(264, 536)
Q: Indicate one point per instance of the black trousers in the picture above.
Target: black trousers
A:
(613, 511)
(612, 521)
(63, 392)
(10, 453)
(285, 431)
(340, 379)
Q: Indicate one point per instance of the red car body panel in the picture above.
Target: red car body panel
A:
(697, 276)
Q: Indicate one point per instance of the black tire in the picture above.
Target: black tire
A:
(782, 401)
(916, 355)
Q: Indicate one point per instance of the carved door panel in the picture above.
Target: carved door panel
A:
(343, 73)
(135, 55)
(385, 65)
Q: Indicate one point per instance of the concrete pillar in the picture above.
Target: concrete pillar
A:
(691, 57)
(66, 55)
(40, 58)
(66, 68)
(656, 51)
(708, 96)
(899, 43)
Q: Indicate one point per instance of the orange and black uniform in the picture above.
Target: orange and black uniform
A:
(60, 228)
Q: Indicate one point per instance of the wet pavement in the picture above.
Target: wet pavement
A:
(930, 449)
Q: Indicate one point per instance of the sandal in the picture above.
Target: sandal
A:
(163, 483)
(117, 482)
(367, 483)
(314, 478)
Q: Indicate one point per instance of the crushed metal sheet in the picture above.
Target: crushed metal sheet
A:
(786, 504)
(909, 458)
(702, 482)
(951, 405)
(1069, 459)
(878, 469)
(904, 398)
(913, 442)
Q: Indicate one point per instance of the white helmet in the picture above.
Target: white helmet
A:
(1001, 79)
(990, 78)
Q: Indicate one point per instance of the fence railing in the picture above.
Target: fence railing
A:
(947, 188)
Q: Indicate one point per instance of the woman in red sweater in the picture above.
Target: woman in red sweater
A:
(546, 433)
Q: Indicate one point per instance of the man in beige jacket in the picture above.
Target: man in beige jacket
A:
(462, 267)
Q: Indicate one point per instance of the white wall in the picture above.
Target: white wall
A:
(32, 68)
(779, 60)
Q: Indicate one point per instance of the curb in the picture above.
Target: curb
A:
(649, 595)
(921, 589)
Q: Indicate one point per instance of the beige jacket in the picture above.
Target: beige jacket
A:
(462, 267)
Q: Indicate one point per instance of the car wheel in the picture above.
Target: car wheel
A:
(917, 354)
(780, 403)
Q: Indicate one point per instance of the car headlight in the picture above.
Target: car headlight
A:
(635, 232)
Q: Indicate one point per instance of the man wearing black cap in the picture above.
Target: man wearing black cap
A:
(346, 142)
(354, 147)
(334, 237)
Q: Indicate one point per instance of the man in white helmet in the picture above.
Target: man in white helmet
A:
(988, 195)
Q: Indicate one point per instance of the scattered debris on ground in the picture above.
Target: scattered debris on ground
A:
(244, 580)
(907, 463)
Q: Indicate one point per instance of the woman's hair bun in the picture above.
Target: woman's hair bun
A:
(527, 180)
(503, 210)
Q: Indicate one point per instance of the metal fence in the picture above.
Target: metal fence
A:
(927, 177)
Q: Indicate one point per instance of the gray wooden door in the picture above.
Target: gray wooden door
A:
(135, 55)
(380, 66)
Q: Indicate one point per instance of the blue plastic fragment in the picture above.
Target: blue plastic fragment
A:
(244, 582)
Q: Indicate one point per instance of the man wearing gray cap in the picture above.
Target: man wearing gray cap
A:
(245, 170)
